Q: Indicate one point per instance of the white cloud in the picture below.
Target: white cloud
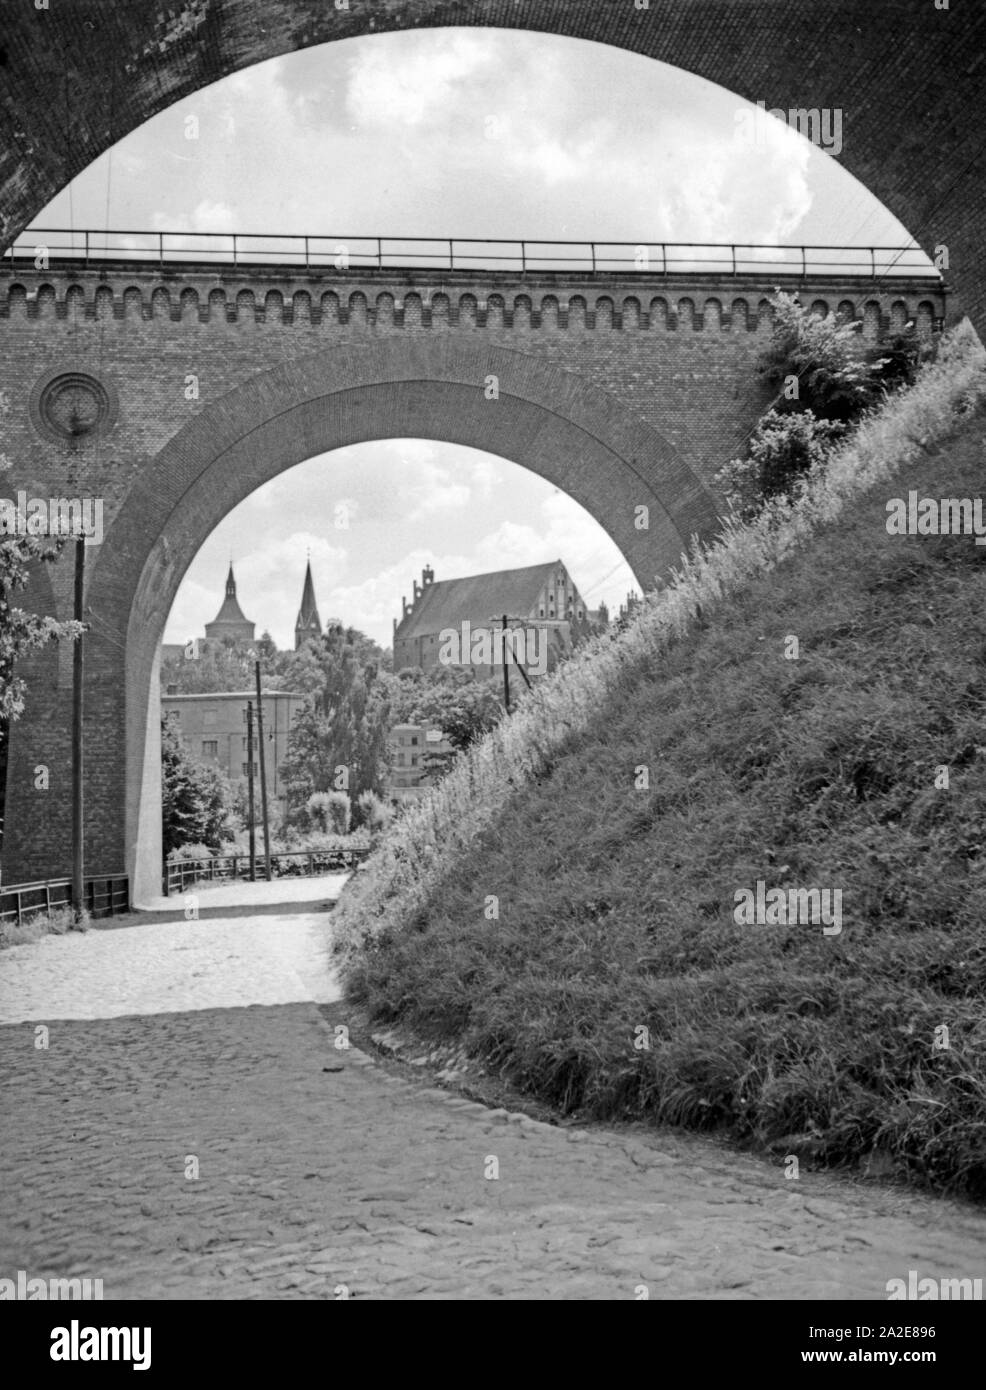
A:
(415, 84)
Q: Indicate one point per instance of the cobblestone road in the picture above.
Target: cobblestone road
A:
(321, 1174)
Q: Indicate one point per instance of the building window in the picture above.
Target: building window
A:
(246, 769)
(414, 759)
(210, 748)
(414, 740)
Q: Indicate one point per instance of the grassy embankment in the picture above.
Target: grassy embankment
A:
(616, 903)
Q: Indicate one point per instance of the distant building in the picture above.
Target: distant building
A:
(229, 624)
(309, 624)
(410, 745)
(214, 731)
(544, 597)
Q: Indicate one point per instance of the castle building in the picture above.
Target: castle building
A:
(543, 597)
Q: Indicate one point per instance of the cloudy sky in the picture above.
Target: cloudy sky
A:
(470, 133)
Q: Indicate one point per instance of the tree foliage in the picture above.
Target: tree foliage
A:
(449, 698)
(339, 739)
(196, 800)
(826, 377)
(837, 376)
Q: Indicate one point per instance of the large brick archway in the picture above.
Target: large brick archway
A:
(500, 400)
(908, 76)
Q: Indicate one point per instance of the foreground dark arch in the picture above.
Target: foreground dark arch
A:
(548, 420)
(908, 77)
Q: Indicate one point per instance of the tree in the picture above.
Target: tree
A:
(449, 698)
(22, 632)
(339, 739)
(196, 800)
(218, 667)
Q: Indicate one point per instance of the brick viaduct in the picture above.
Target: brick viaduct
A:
(621, 391)
(593, 381)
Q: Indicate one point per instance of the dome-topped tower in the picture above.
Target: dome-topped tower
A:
(229, 622)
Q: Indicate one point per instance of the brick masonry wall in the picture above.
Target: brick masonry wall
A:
(621, 391)
(907, 76)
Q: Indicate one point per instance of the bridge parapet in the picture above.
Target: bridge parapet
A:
(421, 298)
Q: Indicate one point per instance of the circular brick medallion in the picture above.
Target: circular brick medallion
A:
(72, 407)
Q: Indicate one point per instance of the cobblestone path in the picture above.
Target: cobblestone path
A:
(321, 1175)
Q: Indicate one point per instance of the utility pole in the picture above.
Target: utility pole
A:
(505, 619)
(250, 801)
(506, 670)
(78, 882)
(263, 774)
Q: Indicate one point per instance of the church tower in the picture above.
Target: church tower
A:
(309, 624)
(229, 622)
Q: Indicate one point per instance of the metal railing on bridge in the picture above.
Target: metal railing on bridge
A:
(312, 254)
(105, 895)
(179, 873)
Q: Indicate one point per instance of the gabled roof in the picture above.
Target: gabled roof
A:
(476, 599)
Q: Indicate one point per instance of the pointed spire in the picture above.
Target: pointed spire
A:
(230, 582)
(309, 624)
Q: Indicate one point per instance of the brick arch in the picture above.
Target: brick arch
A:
(123, 64)
(551, 421)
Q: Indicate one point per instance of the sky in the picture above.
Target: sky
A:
(469, 133)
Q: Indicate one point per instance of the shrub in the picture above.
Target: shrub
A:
(329, 812)
(184, 853)
(55, 923)
(783, 450)
(837, 377)
(338, 812)
(374, 813)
